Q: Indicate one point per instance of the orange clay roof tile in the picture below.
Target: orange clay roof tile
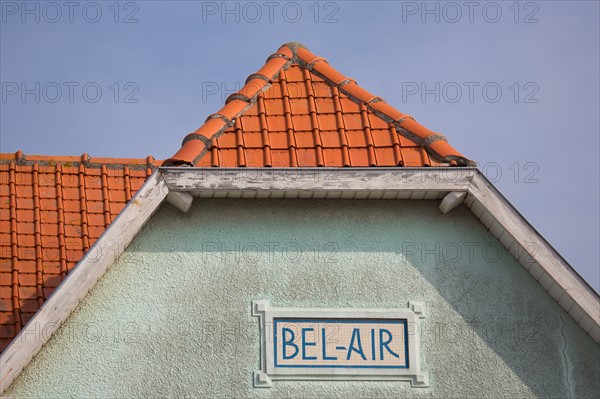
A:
(53, 209)
(297, 110)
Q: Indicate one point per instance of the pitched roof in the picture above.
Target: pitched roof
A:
(299, 111)
(52, 210)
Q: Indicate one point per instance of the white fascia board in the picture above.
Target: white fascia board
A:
(315, 180)
(81, 279)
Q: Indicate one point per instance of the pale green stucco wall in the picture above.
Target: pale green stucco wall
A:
(170, 320)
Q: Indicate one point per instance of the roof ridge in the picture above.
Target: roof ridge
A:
(195, 145)
(85, 159)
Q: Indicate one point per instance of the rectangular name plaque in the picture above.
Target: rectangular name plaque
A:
(351, 343)
(334, 344)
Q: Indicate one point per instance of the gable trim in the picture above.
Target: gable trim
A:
(346, 181)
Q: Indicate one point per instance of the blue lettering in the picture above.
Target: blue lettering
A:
(325, 357)
(372, 344)
(305, 344)
(385, 344)
(351, 348)
(289, 342)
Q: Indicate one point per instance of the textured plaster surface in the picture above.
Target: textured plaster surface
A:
(172, 316)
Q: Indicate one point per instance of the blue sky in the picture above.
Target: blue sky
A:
(513, 85)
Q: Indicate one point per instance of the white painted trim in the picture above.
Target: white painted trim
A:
(81, 279)
(317, 180)
(533, 252)
(181, 200)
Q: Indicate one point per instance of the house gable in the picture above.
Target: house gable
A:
(172, 316)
